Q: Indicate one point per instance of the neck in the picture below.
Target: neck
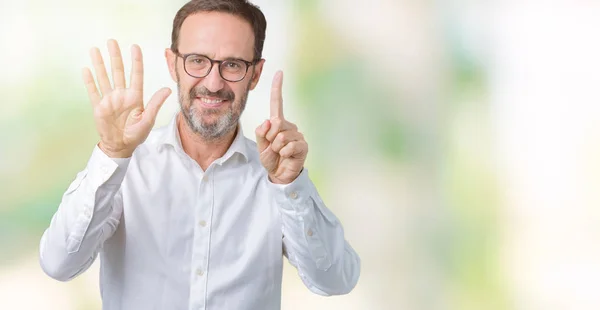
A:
(202, 150)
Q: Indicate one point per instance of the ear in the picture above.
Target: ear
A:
(256, 73)
(171, 59)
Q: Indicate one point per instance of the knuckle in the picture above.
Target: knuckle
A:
(291, 147)
(277, 147)
(282, 137)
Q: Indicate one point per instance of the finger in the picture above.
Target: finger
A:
(90, 85)
(276, 96)
(100, 69)
(294, 149)
(137, 69)
(285, 137)
(261, 131)
(155, 103)
(278, 125)
(116, 64)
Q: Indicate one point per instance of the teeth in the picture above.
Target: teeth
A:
(208, 101)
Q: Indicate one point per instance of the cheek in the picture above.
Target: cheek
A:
(186, 85)
(240, 90)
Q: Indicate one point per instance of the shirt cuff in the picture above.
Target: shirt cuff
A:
(105, 170)
(295, 195)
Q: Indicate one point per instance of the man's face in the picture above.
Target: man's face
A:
(211, 105)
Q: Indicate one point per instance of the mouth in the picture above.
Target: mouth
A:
(212, 103)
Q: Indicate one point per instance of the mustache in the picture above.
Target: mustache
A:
(203, 91)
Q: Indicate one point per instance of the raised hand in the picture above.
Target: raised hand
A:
(281, 146)
(121, 119)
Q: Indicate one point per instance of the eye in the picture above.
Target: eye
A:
(197, 60)
(232, 65)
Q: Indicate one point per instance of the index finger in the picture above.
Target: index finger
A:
(276, 97)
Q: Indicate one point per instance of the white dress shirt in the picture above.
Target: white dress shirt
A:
(172, 236)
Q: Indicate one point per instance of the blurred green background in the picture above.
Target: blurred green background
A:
(456, 141)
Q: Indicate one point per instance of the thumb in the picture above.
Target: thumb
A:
(261, 136)
(155, 103)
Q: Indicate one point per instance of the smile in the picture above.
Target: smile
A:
(211, 102)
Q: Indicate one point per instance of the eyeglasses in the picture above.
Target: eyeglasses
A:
(199, 66)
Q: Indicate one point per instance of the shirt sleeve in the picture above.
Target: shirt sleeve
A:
(313, 239)
(88, 214)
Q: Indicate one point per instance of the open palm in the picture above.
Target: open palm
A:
(121, 119)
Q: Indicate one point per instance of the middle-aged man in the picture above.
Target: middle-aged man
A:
(194, 215)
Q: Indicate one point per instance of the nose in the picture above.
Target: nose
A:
(213, 81)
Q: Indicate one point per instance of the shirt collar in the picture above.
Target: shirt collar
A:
(171, 137)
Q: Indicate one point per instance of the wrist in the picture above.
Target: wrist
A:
(284, 180)
(275, 180)
(113, 153)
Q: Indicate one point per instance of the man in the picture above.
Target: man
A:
(194, 215)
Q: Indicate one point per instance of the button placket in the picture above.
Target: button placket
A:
(201, 242)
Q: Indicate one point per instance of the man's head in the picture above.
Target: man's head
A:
(224, 30)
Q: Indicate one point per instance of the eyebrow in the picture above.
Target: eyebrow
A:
(226, 58)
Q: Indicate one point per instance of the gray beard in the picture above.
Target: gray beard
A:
(213, 131)
(210, 131)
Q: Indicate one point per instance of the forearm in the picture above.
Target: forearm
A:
(88, 214)
(314, 240)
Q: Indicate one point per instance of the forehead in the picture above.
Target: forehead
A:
(217, 35)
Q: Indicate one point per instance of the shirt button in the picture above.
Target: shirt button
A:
(293, 195)
(309, 232)
(199, 272)
(202, 223)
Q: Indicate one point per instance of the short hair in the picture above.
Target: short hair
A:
(241, 8)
